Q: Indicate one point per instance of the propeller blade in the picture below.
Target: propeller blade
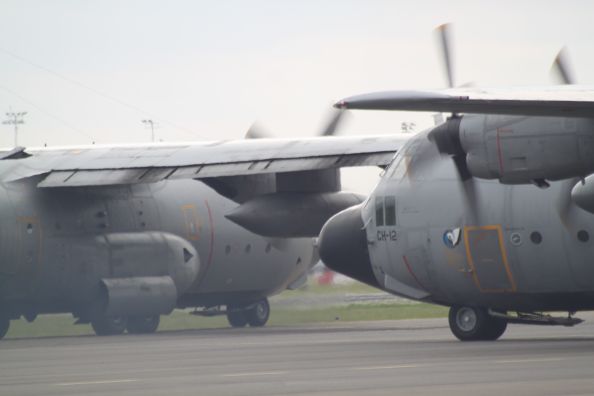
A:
(335, 120)
(257, 132)
(446, 138)
(470, 193)
(443, 32)
(561, 67)
(462, 168)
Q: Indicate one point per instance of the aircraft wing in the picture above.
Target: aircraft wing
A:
(563, 101)
(100, 166)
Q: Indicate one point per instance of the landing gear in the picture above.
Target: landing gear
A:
(258, 314)
(475, 324)
(142, 324)
(236, 316)
(109, 325)
(4, 325)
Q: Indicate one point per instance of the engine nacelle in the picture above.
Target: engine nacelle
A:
(291, 214)
(150, 254)
(519, 150)
(137, 273)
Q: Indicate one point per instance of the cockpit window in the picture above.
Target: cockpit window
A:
(379, 211)
(390, 211)
(385, 211)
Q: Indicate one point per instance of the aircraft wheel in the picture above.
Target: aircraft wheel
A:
(143, 324)
(258, 315)
(4, 325)
(496, 328)
(236, 318)
(475, 324)
(109, 325)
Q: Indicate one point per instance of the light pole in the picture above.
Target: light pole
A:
(15, 118)
(407, 127)
(150, 123)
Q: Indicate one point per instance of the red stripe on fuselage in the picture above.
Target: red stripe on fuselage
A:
(410, 271)
(212, 234)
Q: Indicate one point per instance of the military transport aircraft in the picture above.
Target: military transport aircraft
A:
(490, 213)
(121, 235)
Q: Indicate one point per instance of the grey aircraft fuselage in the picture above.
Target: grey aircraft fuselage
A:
(427, 234)
(55, 245)
(522, 252)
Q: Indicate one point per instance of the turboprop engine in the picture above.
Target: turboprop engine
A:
(147, 271)
(291, 214)
(518, 150)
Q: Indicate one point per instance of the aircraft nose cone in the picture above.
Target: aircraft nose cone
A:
(343, 246)
(582, 194)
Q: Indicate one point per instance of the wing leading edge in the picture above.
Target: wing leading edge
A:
(556, 102)
(101, 166)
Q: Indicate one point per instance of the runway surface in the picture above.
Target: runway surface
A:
(412, 357)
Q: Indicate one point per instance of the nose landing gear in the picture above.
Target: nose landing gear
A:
(475, 324)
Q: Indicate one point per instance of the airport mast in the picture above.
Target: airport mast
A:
(15, 118)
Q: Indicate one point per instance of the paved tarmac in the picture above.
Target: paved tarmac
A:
(412, 357)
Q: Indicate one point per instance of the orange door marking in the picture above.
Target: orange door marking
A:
(510, 277)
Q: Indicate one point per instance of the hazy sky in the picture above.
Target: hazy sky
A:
(91, 70)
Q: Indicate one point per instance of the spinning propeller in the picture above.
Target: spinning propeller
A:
(333, 124)
(446, 136)
(561, 68)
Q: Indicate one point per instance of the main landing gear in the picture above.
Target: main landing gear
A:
(143, 324)
(109, 325)
(475, 324)
(482, 324)
(114, 325)
(256, 315)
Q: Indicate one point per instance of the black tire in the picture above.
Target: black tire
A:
(109, 325)
(236, 317)
(258, 314)
(497, 327)
(475, 324)
(4, 325)
(143, 324)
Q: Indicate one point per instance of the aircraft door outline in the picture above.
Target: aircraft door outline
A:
(487, 259)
